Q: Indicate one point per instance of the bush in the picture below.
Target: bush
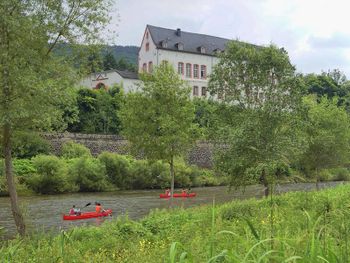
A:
(51, 176)
(324, 175)
(340, 174)
(21, 188)
(23, 167)
(160, 171)
(90, 175)
(71, 150)
(28, 145)
(118, 169)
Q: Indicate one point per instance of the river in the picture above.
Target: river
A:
(44, 213)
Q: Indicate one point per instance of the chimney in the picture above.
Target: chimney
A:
(178, 32)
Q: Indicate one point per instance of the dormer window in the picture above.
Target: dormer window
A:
(179, 46)
(163, 44)
(217, 51)
(201, 49)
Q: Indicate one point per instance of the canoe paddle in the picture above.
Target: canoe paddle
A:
(86, 205)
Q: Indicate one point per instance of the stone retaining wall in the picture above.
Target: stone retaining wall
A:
(201, 154)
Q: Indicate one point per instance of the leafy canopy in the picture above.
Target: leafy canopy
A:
(159, 120)
(255, 128)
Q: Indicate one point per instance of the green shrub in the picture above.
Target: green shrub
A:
(28, 145)
(142, 176)
(90, 174)
(20, 187)
(51, 176)
(118, 169)
(324, 175)
(207, 178)
(150, 175)
(340, 174)
(71, 150)
(160, 171)
(23, 167)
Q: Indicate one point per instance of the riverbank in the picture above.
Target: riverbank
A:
(298, 226)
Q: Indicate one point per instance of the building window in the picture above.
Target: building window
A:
(180, 68)
(188, 70)
(203, 72)
(195, 71)
(147, 46)
(150, 67)
(204, 91)
(164, 44)
(195, 91)
(144, 67)
(179, 46)
(147, 35)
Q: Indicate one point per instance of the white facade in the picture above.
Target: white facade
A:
(194, 68)
(108, 79)
(192, 55)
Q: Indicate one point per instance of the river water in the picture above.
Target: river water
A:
(44, 213)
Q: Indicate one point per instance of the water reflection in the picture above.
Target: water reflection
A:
(45, 212)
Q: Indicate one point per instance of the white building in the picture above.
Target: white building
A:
(192, 55)
(108, 78)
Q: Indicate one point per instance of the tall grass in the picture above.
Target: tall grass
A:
(308, 227)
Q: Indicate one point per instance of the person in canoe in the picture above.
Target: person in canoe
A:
(167, 192)
(98, 208)
(74, 211)
(185, 191)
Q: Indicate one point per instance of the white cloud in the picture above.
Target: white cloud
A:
(315, 32)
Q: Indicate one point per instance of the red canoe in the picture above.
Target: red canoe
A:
(178, 195)
(87, 215)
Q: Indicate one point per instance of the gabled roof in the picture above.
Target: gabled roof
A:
(127, 74)
(191, 41)
(123, 73)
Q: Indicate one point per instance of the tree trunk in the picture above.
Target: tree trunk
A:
(263, 180)
(17, 215)
(317, 181)
(172, 174)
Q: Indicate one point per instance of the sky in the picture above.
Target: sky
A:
(316, 33)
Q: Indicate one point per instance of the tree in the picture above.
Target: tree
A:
(261, 92)
(33, 79)
(327, 133)
(159, 120)
(98, 111)
(109, 61)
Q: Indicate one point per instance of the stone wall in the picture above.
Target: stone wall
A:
(200, 155)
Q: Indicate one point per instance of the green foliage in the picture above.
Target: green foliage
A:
(159, 120)
(327, 134)
(71, 150)
(23, 167)
(118, 168)
(98, 111)
(89, 175)
(310, 227)
(340, 174)
(256, 129)
(109, 61)
(205, 111)
(27, 145)
(35, 80)
(51, 176)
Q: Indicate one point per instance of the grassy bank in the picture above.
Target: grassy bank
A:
(295, 227)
